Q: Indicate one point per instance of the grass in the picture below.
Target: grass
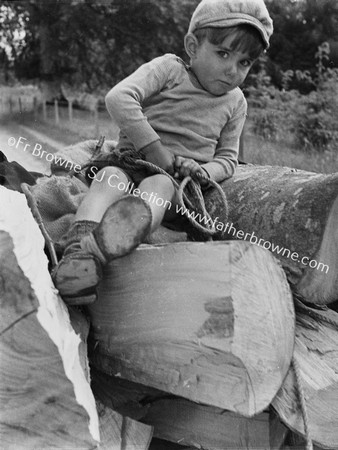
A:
(258, 150)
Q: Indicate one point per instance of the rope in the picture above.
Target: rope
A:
(199, 196)
(36, 214)
(131, 160)
(301, 396)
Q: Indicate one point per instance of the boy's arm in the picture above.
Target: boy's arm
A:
(226, 155)
(158, 155)
(125, 100)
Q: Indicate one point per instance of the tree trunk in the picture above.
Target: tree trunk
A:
(45, 396)
(211, 322)
(292, 209)
(316, 350)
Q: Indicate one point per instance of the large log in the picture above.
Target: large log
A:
(211, 322)
(316, 351)
(45, 396)
(292, 209)
(46, 400)
(181, 421)
(289, 208)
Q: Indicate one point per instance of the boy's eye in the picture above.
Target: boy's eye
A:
(246, 63)
(223, 54)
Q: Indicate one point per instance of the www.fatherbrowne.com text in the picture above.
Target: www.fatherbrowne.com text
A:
(222, 227)
(253, 239)
(154, 198)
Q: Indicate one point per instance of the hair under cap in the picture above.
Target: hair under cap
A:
(229, 13)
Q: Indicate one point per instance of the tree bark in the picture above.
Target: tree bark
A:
(292, 209)
(211, 322)
(316, 350)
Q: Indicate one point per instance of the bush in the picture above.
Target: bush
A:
(308, 121)
(317, 118)
(315, 131)
(265, 125)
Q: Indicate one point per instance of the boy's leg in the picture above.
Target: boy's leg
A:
(102, 193)
(96, 202)
(161, 195)
(106, 226)
(159, 192)
(99, 197)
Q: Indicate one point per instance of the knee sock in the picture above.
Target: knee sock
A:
(78, 230)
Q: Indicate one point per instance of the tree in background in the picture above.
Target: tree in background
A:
(301, 26)
(96, 44)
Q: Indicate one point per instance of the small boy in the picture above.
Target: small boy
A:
(185, 119)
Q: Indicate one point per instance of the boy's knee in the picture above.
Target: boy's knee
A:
(163, 181)
(109, 177)
(114, 172)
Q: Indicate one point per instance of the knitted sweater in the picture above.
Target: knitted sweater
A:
(163, 100)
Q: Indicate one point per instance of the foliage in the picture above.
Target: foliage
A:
(90, 46)
(90, 43)
(316, 125)
(308, 121)
(300, 27)
(96, 44)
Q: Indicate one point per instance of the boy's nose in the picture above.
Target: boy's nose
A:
(230, 69)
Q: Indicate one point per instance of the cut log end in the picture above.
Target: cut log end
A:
(164, 320)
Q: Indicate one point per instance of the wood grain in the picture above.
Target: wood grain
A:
(316, 350)
(211, 322)
(46, 401)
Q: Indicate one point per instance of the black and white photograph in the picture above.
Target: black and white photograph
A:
(169, 224)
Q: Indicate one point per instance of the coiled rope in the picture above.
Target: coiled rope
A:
(130, 159)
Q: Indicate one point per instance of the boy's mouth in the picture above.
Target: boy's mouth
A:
(225, 84)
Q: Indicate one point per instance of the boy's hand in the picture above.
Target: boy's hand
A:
(158, 155)
(185, 167)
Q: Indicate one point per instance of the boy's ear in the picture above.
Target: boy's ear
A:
(190, 45)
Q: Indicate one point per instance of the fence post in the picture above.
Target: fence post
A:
(70, 110)
(20, 108)
(44, 109)
(241, 147)
(56, 111)
(96, 120)
(35, 107)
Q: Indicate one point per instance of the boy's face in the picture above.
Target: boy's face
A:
(219, 68)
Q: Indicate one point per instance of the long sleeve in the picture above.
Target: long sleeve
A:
(226, 155)
(125, 101)
(159, 101)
